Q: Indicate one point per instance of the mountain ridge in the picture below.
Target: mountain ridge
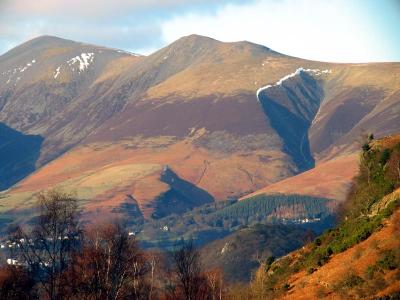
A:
(192, 106)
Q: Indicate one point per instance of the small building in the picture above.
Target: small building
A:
(11, 261)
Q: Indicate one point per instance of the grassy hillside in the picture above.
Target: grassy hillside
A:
(367, 233)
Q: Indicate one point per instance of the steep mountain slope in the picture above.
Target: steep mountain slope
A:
(229, 118)
(291, 106)
(358, 98)
(56, 88)
(367, 100)
(369, 269)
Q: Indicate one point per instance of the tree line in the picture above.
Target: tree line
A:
(211, 221)
(265, 205)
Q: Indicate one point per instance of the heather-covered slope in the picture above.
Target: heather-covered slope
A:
(57, 89)
(229, 118)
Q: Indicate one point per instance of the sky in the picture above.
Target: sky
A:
(325, 30)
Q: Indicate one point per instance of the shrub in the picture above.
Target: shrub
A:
(321, 293)
(370, 271)
(311, 270)
(352, 280)
(390, 208)
(385, 156)
(389, 261)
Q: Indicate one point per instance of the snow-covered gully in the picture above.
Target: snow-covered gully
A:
(315, 72)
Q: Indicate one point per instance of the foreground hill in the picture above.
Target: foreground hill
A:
(369, 268)
(360, 258)
(226, 119)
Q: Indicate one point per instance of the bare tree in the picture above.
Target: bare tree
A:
(109, 266)
(215, 283)
(46, 249)
(153, 264)
(191, 282)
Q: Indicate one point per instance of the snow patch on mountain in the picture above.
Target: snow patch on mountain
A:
(316, 72)
(11, 74)
(57, 72)
(127, 52)
(317, 117)
(84, 60)
(80, 63)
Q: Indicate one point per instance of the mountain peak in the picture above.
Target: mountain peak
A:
(48, 41)
(45, 37)
(39, 43)
(195, 41)
(198, 38)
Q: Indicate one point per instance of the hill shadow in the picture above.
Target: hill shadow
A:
(18, 155)
(181, 197)
(291, 108)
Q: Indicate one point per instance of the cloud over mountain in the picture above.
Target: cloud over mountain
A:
(339, 30)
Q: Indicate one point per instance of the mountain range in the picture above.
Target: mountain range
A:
(195, 122)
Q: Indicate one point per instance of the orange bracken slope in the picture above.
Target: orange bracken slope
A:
(331, 179)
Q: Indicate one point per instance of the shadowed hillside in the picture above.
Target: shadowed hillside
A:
(291, 107)
(18, 155)
(241, 252)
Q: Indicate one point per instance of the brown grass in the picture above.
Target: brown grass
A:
(329, 179)
(105, 173)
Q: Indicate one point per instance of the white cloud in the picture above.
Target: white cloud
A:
(319, 30)
(126, 24)
(92, 8)
(329, 30)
